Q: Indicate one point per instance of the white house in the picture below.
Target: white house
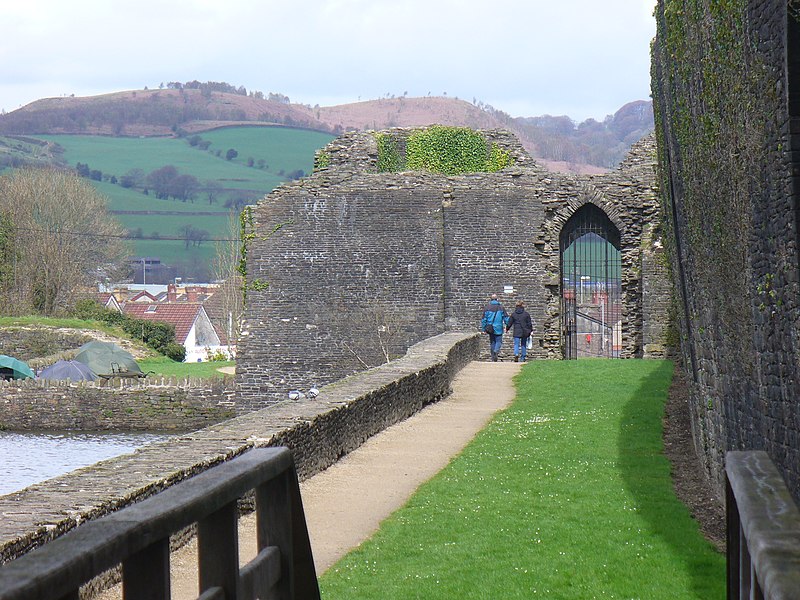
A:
(193, 328)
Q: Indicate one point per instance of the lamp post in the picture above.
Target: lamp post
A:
(584, 279)
(144, 272)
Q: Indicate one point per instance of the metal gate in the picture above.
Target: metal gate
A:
(591, 293)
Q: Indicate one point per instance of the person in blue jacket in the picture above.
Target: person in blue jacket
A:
(493, 323)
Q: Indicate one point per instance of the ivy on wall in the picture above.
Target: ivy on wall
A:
(248, 236)
(322, 160)
(390, 159)
(441, 149)
(715, 109)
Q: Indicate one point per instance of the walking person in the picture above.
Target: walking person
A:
(493, 321)
(520, 320)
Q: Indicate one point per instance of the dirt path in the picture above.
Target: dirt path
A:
(345, 504)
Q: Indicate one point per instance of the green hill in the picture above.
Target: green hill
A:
(220, 183)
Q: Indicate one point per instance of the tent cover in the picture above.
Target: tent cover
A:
(11, 368)
(108, 360)
(68, 369)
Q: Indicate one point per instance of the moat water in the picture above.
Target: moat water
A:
(28, 458)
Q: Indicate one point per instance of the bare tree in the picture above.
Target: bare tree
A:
(63, 239)
(227, 305)
(212, 190)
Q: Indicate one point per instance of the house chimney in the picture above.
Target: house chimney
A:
(172, 292)
(191, 294)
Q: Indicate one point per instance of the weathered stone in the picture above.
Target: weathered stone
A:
(361, 253)
(728, 115)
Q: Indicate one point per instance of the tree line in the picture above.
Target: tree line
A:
(603, 143)
(206, 88)
(168, 183)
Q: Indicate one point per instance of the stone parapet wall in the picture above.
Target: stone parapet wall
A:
(319, 431)
(657, 295)
(115, 405)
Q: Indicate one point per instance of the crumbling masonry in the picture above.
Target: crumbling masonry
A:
(362, 264)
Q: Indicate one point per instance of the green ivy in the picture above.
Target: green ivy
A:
(389, 158)
(322, 160)
(447, 150)
(441, 149)
(248, 236)
(498, 159)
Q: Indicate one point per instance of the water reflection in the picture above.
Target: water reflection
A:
(28, 458)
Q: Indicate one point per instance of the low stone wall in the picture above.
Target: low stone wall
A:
(319, 431)
(116, 405)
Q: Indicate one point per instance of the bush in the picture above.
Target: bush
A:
(175, 351)
(217, 355)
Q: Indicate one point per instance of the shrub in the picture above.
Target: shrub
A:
(174, 351)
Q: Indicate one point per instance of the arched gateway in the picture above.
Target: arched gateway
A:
(366, 262)
(591, 285)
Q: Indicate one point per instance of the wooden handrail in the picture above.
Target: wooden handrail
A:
(763, 530)
(138, 538)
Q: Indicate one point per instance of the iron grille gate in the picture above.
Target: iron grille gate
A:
(591, 307)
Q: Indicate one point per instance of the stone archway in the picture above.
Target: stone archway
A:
(591, 285)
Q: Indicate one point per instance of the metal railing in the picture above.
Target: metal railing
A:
(138, 538)
(763, 530)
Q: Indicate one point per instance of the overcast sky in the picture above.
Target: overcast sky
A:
(582, 58)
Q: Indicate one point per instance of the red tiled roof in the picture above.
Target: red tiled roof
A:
(182, 315)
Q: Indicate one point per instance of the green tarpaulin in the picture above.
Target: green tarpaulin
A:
(11, 368)
(108, 360)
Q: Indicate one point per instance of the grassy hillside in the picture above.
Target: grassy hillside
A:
(16, 151)
(273, 152)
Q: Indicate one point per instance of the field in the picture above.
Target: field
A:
(273, 152)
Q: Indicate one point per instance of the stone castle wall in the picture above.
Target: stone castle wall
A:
(726, 87)
(362, 264)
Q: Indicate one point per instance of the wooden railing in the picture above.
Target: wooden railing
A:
(138, 538)
(763, 530)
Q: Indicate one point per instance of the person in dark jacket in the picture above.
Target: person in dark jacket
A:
(520, 320)
(494, 320)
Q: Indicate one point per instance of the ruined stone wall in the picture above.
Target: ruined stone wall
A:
(723, 75)
(318, 431)
(118, 405)
(362, 264)
(345, 290)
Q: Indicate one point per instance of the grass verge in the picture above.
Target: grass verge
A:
(565, 495)
(165, 367)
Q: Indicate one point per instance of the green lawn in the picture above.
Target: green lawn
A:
(164, 367)
(565, 495)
